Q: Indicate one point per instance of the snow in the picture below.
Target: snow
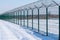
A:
(11, 31)
(53, 27)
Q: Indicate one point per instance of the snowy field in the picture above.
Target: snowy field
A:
(53, 26)
(11, 31)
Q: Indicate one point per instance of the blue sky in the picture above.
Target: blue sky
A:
(6, 5)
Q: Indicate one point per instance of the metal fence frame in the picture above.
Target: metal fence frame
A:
(22, 23)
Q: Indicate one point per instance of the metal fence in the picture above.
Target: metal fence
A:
(44, 20)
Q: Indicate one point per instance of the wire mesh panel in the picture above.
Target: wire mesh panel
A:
(17, 17)
(53, 21)
(14, 16)
(20, 17)
(8, 17)
(11, 19)
(42, 21)
(35, 20)
(30, 19)
(25, 17)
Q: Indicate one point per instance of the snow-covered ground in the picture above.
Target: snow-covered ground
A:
(10, 31)
(53, 27)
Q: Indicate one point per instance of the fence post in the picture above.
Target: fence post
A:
(59, 22)
(46, 21)
(20, 17)
(32, 18)
(27, 18)
(38, 19)
(16, 17)
(24, 17)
